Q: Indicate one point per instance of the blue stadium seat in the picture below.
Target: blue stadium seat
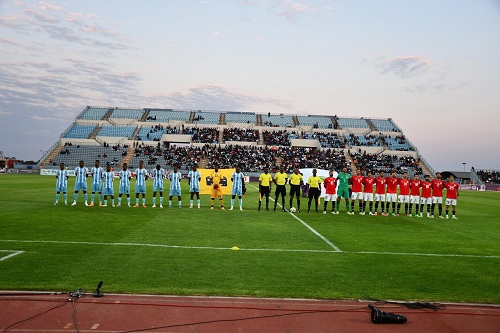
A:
(116, 131)
(352, 123)
(127, 114)
(78, 131)
(93, 113)
(241, 117)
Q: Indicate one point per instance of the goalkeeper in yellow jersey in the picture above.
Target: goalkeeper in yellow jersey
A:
(215, 178)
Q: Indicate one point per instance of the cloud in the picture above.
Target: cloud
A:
(418, 73)
(78, 28)
(49, 7)
(4, 113)
(290, 10)
(212, 97)
(11, 42)
(406, 66)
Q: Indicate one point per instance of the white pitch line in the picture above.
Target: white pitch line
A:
(159, 245)
(12, 253)
(427, 254)
(245, 249)
(333, 246)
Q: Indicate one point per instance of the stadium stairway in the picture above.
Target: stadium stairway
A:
(349, 160)
(93, 135)
(222, 120)
(52, 155)
(134, 135)
(370, 124)
(259, 120)
(425, 170)
(261, 136)
(295, 121)
(108, 114)
(191, 117)
(221, 136)
(143, 119)
(130, 155)
(203, 162)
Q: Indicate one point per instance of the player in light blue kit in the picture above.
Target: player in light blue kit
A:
(107, 179)
(125, 177)
(81, 182)
(238, 180)
(96, 173)
(175, 186)
(62, 176)
(158, 175)
(141, 175)
(194, 177)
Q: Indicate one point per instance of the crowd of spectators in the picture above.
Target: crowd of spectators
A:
(328, 140)
(254, 159)
(238, 134)
(184, 157)
(202, 135)
(490, 177)
(369, 140)
(251, 159)
(158, 128)
(400, 141)
(278, 138)
(386, 163)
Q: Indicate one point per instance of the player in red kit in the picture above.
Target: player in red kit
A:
(391, 196)
(426, 197)
(404, 192)
(437, 194)
(415, 194)
(368, 182)
(452, 188)
(380, 183)
(357, 191)
(330, 183)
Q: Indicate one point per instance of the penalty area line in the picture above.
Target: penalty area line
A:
(12, 254)
(326, 240)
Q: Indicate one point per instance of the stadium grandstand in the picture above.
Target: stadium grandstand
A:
(170, 137)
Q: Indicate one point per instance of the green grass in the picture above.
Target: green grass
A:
(200, 267)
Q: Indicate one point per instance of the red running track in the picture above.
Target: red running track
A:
(51, 312)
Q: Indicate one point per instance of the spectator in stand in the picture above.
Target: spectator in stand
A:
(237, 134)
(278, 138)
(202, 135)
(489, 176)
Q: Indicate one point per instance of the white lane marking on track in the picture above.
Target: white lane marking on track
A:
(309, 227)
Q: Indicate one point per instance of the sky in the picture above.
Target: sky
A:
(433, 66)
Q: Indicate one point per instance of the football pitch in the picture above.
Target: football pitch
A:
(245, 253)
